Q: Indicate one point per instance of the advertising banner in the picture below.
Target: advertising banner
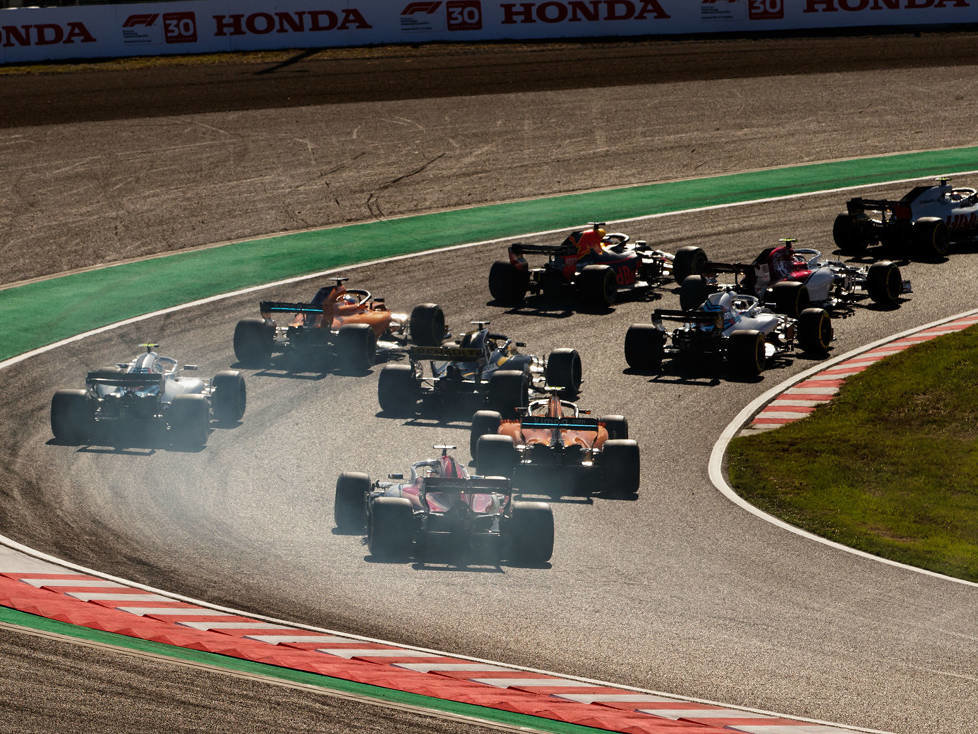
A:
(206, 26)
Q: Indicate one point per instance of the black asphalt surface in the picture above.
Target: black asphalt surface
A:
(678, 591)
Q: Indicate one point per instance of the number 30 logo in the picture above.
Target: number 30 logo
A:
(464, 15)
(766, 9)
(180, 27)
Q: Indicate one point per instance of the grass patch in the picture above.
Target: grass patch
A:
(890, 466)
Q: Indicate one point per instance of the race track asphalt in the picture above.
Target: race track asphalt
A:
(678, 591)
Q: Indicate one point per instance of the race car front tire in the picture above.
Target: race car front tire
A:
(71, 416)
(189, 419)
(531, 533)
(564, 370)
(496, 456)
(484, 422)
(790, 297)
(253, 342)
(884, 282)
(689, 260)
(693, 291)
(230, 397)
(397, 390)
(597, 287)
(349, 504)
(930, 238)
(508, 283)
(644, 347)
(390, 532)
(427, 325)
(746, 353)
(621, 468)
(848, 236)
(508, 390)
(814, 331)
(616, 425)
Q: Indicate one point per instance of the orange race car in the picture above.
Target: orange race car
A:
(340, 327)
(554, 447)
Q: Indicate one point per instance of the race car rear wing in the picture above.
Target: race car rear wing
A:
(446, 354)
(287, 307)
(131, 380)
(473, 485)
(707, 318)
(567, 424)
(522, 248)
(898, 209)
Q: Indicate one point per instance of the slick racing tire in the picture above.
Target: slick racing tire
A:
(253, 340)
(356, 348)
(350, 502)
(397, 390)
(189, 420)
(484, 422)
(848, 235)
(531, 533)
(598, 287)
(790, 297)
(71, 416)
(230, 397)
(564, 370)
(508, 283)
(621, 468)
(693, 291)
(390, 531)
(884, 283)
(930, 238)
(644, 347)
(496, 456)
(508, 390)
(689, 260)
(814, 331)
(427, 325)
(746, 353)
(616, 425)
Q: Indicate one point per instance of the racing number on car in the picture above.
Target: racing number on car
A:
(180, 27)
(766, 9)
(464, 15)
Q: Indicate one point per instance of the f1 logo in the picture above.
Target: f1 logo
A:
(141, 19)
(464, 15)
(427, 8)
(766, 9)
(180, 27)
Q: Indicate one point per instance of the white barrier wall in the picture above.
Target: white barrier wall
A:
(202, 26)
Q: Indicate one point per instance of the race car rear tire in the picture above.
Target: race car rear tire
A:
(390, 532)
(496, 456)
(621, 468)
(884, 283)
(350, 502)
(427, 325)
(564, 370)
(644, 347)
(693, 291)
(790, 297)
(508, 283)
(508, 390)
(746, 353)
(930, 238)
(484, 422)
(397, 390)
(616, 425)
(71, 416)
(253, 340)
(230, 397)
(814, 331)
(356, 348)
(531, 533)
(598, 287)
(689, 260)
(189, 419)
(848, 235)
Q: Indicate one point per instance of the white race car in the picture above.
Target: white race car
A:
(730, 328)
(149, 389)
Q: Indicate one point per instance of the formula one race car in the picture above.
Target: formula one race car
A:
(442, 511)
(341, 328)
(556, 448)
(484, 368)
(789, 280)
(149, 390)
(599, 268)
(729, 328)
(924, 222)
